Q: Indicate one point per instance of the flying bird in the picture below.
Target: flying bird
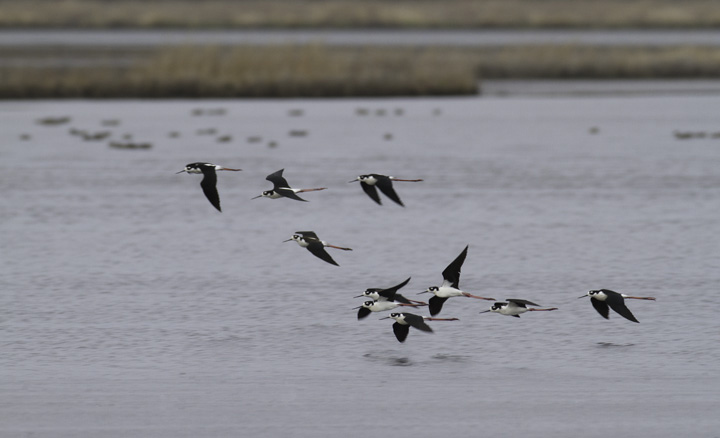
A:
(310, 240)
(450, 286)
(389, 294)
(281, 188)
(515, 307)
(209, 181)
(380, 306)
(601, 299)
(370, 181)
(403, 322)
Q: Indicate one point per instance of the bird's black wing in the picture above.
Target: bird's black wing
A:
(371, 191)
(617, 303)
(601, 307)
(435, 305)
(318, 250)
(209, 186)
(308, 234)
(401, 331)
(363, 312)
(277, 179)
(521, 303)
(417, 321)
(390, 292)
(384, 183)
(288, 193)
(451, 274)
(400, 299)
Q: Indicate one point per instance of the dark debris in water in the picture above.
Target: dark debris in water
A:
(612, 344)
(389, 360)
(451, 357)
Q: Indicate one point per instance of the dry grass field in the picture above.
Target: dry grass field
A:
(360, 13)
(322, 71)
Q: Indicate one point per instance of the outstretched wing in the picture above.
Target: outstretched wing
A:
(318, 251)
(390, 293)
(601, 307)
(521, 303)
(435, 305)
(288, 193)
(451, 274)
(401, 331)
(209, 186)
(308, 234)
(371, 191)
(385, 185)
(277, 179)
(617, 303)
(417, 321)
(363, 312)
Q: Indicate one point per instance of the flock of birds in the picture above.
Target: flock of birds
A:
(385, 299)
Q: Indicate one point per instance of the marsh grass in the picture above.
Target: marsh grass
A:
(359, 13)
(322, 71)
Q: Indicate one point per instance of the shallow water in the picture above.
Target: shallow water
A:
(130, 307)
(491, 37)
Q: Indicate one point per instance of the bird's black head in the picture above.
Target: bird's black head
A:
(497, 306)
(433, 288)
(368, 303)
(267, 193)
(395, 315)
(594, 292)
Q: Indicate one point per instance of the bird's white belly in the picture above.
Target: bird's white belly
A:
(381, 306)
(512, 311)
(447, 292)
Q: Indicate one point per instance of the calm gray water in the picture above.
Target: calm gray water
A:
(130, 307)
(493, 37)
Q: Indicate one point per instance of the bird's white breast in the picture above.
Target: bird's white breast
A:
(371, 180)
(380, 306)
(447, 292)
(600, 296)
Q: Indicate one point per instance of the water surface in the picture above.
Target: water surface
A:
(130, 307)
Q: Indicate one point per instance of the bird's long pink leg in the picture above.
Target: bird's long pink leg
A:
(422, 303)
(478, 297)
(427, 318)
(411, 305)
(227, 168)
(540, 310)
(311, 190)
(339, 247)
(407, 180)
(641, 298)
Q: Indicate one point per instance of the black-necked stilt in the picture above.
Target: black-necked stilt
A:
(389, 294)
(602, 298)
(209, 181)
(281, 188)
(384, 183)
(450, 285)
(403, 322)
(380, 306)
(310, 240)
(514, 307)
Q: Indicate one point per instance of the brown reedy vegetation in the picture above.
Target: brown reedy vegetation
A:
(363, 13)
(322, 71)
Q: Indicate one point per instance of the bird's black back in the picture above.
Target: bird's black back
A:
(521, 303)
